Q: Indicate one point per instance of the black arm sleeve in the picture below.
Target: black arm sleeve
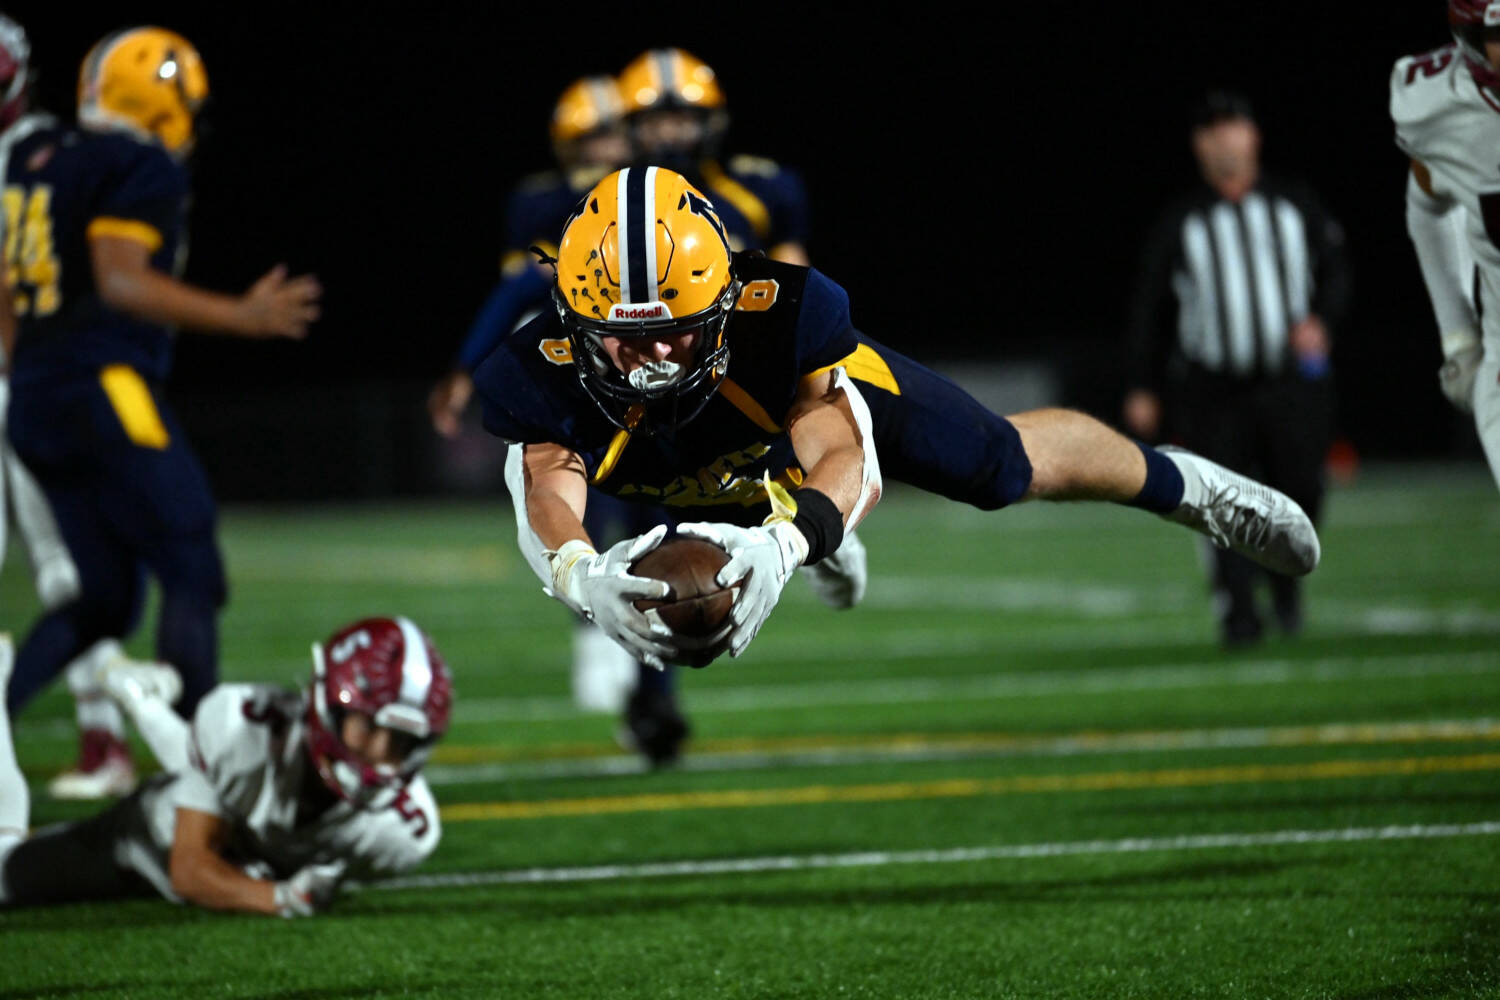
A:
(1333, 276)
(1150, 335)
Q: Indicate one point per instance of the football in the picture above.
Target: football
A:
(696, 606)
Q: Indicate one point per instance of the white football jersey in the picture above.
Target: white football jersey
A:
(249, 760)
(1447, 122)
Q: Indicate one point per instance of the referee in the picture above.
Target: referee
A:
(1242, 283)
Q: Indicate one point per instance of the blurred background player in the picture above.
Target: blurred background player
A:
(270, 800)
(1446, 107)
(95, 234)
(104, 768)
(589, 141)
(678, 119)
(1242, 283)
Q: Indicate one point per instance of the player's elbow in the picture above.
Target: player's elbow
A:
(186, 875)
(118, 289)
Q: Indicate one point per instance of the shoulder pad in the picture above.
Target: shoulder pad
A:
(235, 724)
(758, 166)
(542, 180)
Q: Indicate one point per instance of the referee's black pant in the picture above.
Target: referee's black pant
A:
(1277, 430)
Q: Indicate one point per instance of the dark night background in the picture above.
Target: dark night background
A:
(981, 184)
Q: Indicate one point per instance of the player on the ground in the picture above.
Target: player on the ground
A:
(678, 119)
(1446, 107)
(270, 800)
(737, 388)
(95, 224)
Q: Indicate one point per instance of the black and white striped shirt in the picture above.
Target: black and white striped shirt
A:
(1223, 283)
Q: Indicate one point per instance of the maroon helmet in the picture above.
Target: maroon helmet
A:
(15, 58)
(387, 669)
(1469, 20)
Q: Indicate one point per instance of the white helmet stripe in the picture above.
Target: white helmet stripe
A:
(622, 235)
(648, 224)
(416, 668)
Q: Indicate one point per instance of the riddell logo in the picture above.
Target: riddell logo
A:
(650, 310)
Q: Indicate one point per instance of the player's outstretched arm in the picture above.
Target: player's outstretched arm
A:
(1435, 225)
(201, 876)
(830, 430)
(550, 492)
(275, 306)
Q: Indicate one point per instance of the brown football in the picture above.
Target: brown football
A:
(697, 606)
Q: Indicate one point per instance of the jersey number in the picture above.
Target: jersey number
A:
(411, 812)
(1429, 65)
(30, 258)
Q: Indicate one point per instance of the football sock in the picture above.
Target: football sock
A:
(1162, 492)
(91, 707)
(15, 797)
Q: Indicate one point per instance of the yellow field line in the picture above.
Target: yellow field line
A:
(967, 787)
(1286, 736)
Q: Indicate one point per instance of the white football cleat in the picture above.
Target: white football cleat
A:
(126, 680)
(1238, 513)
(839, 580)
(104, 770)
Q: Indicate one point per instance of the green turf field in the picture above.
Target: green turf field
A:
(1022, 768)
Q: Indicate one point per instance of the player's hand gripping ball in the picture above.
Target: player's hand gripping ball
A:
(697, 608)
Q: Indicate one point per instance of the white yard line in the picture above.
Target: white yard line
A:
(1005, 852)
(850, 690)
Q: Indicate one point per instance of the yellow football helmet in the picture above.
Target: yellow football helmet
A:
(645, 255)
(675, 109)
(669, 78)
(588, 105)
(148, 81)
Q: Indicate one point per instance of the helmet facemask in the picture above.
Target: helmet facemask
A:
(657, 396)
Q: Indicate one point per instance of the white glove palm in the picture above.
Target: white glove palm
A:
(1457, 376)
(599, 586)
(760, 561)
(309, 890)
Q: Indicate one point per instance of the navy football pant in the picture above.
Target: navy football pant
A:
(932, 434)
(129, 497)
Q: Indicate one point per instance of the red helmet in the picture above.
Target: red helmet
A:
(1469, 20)
(15, 57)
(387, 669)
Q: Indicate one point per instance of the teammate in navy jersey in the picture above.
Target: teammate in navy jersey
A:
(588, 140)
(96, 230)
(678, 119)
(737, 390)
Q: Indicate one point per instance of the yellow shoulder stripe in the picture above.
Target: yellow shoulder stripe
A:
(125, 229)
(743, 402)
(864, 365)
(133, 405)
(752, 208)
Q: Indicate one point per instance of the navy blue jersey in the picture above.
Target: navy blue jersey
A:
(536, 211)
(62, 187)
(791, 322)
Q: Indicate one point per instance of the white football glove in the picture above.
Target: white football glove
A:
(760, 561)
(1457, 376)
(309, 890)
(600, 587)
